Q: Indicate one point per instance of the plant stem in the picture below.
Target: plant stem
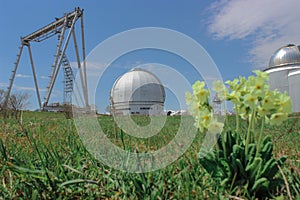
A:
(285, 181)
(233, 180)
(254, 120)
(237, 120)
(260, 135)
(248, 138)
(225, 113)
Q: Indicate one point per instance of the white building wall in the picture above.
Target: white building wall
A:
(279, 80)
(294, 89)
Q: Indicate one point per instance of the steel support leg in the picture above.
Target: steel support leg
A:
(13, 77)
(86, 97)
(34, 76)
(54, 65)
(60, 60)
(82, 80)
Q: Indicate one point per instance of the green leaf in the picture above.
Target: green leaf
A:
(226, 168)
(211, 166)
(76, 181)
(261, 183)
(282, 160)
(254, 166)
(251, 153)
(267, 151)
(266, 139)
(240, 167)
(3, 150)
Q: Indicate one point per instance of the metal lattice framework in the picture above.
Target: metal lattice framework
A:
(216, 103)
(58, 27)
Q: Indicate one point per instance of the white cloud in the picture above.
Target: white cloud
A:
(44, 77)
(89, 65)
(267, 24)
(74, 64)
(91, 68)
(18, 87)
(3, 85)
(23, 76)
(24, 88)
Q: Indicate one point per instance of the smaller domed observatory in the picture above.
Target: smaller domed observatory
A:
(137, 92)
(284, 73)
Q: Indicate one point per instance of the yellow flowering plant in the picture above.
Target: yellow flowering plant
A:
(242, 161)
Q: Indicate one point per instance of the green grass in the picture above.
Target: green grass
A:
(46, 160)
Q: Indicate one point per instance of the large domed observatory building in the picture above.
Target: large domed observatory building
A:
(137, 92)
(284, 72)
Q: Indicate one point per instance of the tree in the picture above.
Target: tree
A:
(17, 102)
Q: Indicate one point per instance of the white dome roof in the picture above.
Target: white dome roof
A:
(286, 55)
(138, 86)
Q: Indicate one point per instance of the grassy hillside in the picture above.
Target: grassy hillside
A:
(44, 158)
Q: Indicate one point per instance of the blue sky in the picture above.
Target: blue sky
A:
(239, 35)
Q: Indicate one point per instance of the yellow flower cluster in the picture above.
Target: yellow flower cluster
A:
(253, 96)
(252, 99)
(200, 108)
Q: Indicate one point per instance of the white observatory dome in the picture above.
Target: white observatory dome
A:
(286, 55)
(137, 92)
(284, 72)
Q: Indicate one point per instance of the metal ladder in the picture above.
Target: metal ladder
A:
(68, 80)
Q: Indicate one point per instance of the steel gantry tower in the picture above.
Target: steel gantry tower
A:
(64, 27)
